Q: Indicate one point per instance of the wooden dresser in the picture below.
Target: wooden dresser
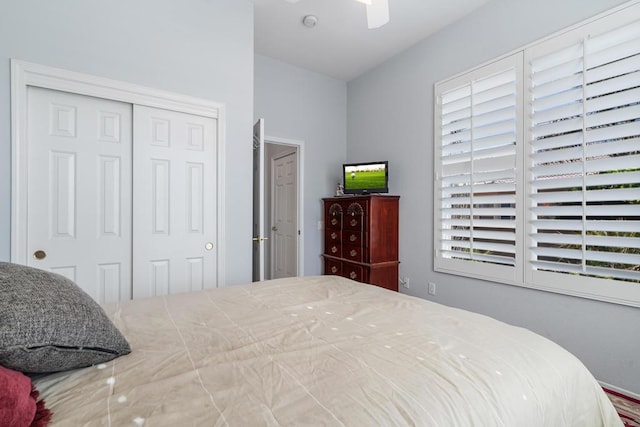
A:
(361, 239)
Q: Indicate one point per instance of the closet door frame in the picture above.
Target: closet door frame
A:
(25, 74)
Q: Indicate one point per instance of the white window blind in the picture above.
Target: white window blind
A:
(537, 164)
(476, 180)
(584, 154)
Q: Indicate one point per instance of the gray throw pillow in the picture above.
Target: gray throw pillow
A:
(49, 324)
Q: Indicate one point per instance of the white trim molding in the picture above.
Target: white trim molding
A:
(619, 390)
(25, 74)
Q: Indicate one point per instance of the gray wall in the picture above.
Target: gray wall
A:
(390, 116)
(193, 47)
(302, 105)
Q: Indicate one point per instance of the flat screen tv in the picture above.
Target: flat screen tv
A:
(365, 178)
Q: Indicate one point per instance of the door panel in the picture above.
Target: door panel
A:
(285, 205)
(174, 193)
(79, 190)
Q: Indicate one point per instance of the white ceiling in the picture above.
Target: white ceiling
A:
(340, 45)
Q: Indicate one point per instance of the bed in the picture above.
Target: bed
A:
(323, 351)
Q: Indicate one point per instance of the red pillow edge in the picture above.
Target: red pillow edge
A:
(42, 415)
(19, 405)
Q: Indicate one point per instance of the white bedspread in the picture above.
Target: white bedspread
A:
(324, 351)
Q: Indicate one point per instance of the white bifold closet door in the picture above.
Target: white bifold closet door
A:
(174, 212)
(121, 198)
(79, 190)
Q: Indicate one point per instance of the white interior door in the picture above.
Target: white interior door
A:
(79, 190)
(174, 193)
(284, 253)
(258, 201)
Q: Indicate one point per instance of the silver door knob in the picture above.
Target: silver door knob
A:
(208, 246)
(39, 254)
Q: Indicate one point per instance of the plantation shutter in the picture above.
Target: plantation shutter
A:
(476, 157)
(561, 210)
(584, 155)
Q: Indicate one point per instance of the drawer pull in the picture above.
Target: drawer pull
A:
(353, 252)
(354, 222)
(334, 235)
(353, 237)
(334, 269)
(334, 249)
(353, 274)
(334, 221)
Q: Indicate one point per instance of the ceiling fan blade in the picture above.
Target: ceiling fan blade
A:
(377, 13)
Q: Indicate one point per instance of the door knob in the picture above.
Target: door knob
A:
(39, 254)
(208, 246)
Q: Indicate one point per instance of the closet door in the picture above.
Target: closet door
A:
(174, 194)
(79, 190)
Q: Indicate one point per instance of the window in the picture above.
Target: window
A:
(480, 131)
(557, 206)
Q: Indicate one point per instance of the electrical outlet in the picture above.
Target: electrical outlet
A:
(320, 225)
(432, 288)
(406, 282)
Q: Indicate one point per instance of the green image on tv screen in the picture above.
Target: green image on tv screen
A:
(365, 177)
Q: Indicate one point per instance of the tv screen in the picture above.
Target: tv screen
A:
(361, 178)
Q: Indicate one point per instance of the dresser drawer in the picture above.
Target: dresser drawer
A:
(332, 236)
(333, 249)
(352, 238)
(332, 267)
(355, 215)
(333, 216)
(353, 272)
(352, 253)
